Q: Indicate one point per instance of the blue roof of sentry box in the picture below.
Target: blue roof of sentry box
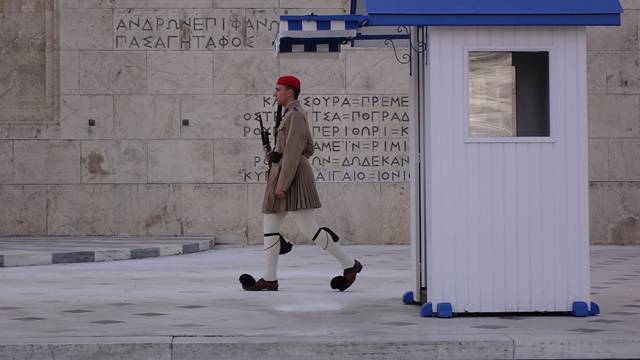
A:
(488, 12)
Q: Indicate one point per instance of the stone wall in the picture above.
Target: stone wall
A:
(134, 117)
(155, 132)
(614, 130)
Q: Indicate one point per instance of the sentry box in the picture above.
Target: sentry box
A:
(499, 185)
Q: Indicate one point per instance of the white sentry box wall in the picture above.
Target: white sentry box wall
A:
(501, 224)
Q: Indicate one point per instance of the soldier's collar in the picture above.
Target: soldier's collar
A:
(293, 104)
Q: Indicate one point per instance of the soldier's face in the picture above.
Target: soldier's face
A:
(282, 94)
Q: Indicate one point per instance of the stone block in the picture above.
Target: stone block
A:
(98, 348)
(244, 72)
(314, 10)
(624, 159)
(183, 4)
(69, 72)
(27, 132)
(209, 209)
(126, 218)
(630, 4)
(317, 76)
(103, 4)
(616, 38)
(614, 115)
(23, 40)
(214, 29)
(112, 255)
(266, 106)
(147, 29)
(80, 210)
(168, 250)
(596, 72)
(114, 161)
(214, 117)
(113, 72)
(27, 259)
(395, 214)
(376, 71)
(614, 209)
(255, 193)
(623, 72)
(598, 159)
(180, 161)
(146, 117)
(77, 111)
(86, 29)
(28, 214)
(175, 72)
(24, 6)
(261, 25)
(239, 161)
(250, 4)
(367, 116)
(350, 210)
(185, 28)
(316, 4)
(26, 88)
(443, 346)
(159, 209)
(46, 162)
(6, 162)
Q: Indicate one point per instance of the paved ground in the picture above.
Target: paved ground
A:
(192, 307)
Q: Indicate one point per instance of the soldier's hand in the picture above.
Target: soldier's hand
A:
(267, 157)
(280, 194)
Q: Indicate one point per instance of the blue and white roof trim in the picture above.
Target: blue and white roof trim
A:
(316, 33)
(489, 12)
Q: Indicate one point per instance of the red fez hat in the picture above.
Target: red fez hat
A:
(290, 81)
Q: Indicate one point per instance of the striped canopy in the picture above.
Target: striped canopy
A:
(316, 33)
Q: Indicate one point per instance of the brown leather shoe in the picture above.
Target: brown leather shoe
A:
(263, 285)
(343, 282)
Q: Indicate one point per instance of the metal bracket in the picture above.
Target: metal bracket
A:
(420, 47)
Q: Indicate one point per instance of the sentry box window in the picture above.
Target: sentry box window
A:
(508, 94)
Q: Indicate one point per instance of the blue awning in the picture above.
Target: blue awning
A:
(317, 33)
(488, 12)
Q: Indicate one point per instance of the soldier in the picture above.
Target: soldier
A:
(291, 189)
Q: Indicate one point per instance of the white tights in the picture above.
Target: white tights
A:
(308, 227)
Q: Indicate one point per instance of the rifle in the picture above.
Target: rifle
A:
(278, 121)
(274, 157)
(264, 134)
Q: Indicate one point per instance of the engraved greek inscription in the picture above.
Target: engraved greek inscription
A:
(357, 138)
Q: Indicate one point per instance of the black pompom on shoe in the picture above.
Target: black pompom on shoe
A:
(247, 281)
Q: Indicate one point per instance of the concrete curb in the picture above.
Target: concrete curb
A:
(29, 258)
(248, 348)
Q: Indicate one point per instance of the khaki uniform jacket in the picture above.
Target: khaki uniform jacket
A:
(293, 173)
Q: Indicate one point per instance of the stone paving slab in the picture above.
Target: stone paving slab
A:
(192, 307)
(29, 251)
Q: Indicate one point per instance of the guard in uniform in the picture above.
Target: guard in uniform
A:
(291, 190)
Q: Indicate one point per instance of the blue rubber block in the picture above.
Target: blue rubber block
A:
(426, 310)
(445, 310)
(580, 309)
(594, 310)
(407, 298)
